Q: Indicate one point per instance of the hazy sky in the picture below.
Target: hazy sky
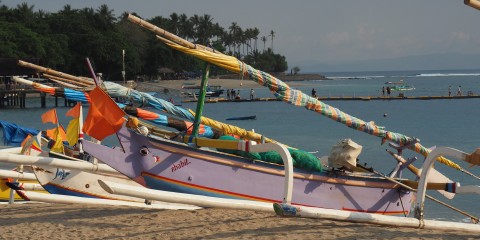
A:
(324, 30)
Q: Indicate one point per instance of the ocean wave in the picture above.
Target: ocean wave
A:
(401, 74)
(446, 74)
(357, 77)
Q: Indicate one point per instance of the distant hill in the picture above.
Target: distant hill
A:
(423, 62)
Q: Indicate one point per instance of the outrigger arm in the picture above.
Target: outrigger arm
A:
(427, 168)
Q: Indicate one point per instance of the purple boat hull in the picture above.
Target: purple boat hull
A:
(171, 166)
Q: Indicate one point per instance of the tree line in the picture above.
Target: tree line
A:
(63, 39)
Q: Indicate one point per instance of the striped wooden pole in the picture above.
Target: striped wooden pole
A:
(53, 72)
(472, 3)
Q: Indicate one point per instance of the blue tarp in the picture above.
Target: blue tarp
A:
(13, 135)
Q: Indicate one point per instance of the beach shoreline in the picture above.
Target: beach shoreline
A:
(64, 221)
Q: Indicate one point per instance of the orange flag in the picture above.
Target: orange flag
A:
(104, 117)
(50, 116)
(56, 132)
(75, 111)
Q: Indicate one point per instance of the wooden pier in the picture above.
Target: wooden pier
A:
(342, 98)
(17, 98)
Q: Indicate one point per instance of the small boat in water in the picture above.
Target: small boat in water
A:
(399, 86)
(212, 90)
(253, 117)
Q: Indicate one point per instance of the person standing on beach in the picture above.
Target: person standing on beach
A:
(314, 93)
(383, 91)
(450, 91)
(251, 94)
(388, 91)
(459, 91)
(228, 94)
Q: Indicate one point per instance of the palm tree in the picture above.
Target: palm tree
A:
(195, 20)
(106, 18)
(185, 27)
(227, 40)
(205, 29)
(233, 33)
(218, 31)
(255, 37)
(24, 13)
(249, 35)
(174, 23)
(238, 39)
(264, 40)
(272, 33)
(67, 10)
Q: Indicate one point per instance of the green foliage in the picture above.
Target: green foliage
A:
(63, 40)
(296, 70)
(17, 41)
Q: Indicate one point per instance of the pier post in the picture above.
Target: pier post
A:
(23, 99)
(42, 99)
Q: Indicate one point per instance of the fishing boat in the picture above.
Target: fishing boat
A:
(180, 155)
(174, 166)
(399, 86)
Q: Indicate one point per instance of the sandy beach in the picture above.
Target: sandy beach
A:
(70, 221)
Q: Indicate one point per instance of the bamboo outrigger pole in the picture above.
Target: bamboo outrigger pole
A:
(53, 77)
(165, 33)
(53, 72)
(472, 3)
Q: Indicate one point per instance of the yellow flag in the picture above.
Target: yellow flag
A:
(73, 131)
(58, 146)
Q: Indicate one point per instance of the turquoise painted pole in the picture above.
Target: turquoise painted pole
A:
(201, 99)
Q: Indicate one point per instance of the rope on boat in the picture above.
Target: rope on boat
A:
(469, 173)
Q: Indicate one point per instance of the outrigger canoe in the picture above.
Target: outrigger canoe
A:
(172, 166)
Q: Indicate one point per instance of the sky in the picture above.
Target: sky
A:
(323, 31)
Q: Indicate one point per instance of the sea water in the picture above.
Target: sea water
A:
(445, 122)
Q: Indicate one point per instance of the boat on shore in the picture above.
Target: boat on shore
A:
(196, 180)
(181, 168)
